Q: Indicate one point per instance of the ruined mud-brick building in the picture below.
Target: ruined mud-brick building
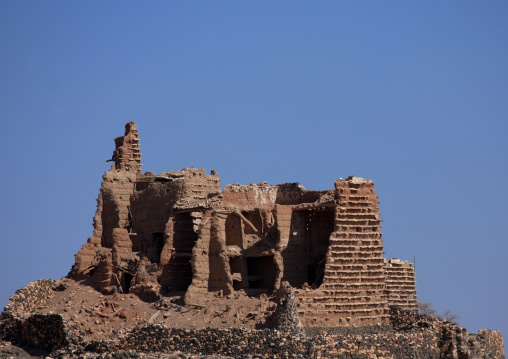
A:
(178, 231)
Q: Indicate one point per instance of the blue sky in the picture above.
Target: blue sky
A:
(412, 95)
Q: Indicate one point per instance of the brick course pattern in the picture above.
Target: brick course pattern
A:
(400, 283)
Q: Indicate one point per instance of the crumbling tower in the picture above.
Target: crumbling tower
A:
(112, 207)
(127, 155)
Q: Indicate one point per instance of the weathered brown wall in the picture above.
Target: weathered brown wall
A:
(151, 209)
(218, 261)
(114, 199)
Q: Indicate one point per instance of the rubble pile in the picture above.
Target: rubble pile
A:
(244, 343)
(286, 318)
(38, 331)
(411, 335)
(31, 297)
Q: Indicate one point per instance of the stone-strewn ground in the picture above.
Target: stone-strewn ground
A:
(243, 343)
(100, 330)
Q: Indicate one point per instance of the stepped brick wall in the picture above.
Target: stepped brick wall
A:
(358, 275)
(178, 231)
(400, 284)
(353, 291)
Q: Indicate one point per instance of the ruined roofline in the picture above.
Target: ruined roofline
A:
(263, 187)
(127, 156)
(251, 187)
(355, 180)
(398, 261)
(289, 187)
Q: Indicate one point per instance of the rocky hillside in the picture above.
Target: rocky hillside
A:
(70, 319)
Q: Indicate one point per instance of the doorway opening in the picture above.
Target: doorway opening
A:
(177, 274)
(126, 281)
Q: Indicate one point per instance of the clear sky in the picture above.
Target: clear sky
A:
(410, 94)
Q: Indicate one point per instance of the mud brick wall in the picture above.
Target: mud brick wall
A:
(220, 273)
(200, 189)
(294, 193)
(119, 184)
(114, 198)
(112, 212)
(356, 266)
(400, 284)
(200, 262)
(353, 289)
(259, 195)
(151, 208)
(210, 264)
(295, 258)
(262, 195)
(117, 188)
(283, 218)
(161, 205)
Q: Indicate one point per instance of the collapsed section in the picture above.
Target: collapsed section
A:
(305, 253)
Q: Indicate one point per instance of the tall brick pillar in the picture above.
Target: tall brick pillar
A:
(354, 273)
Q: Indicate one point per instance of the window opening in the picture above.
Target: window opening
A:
(255, 219)
(178, 272)
(126, 281)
